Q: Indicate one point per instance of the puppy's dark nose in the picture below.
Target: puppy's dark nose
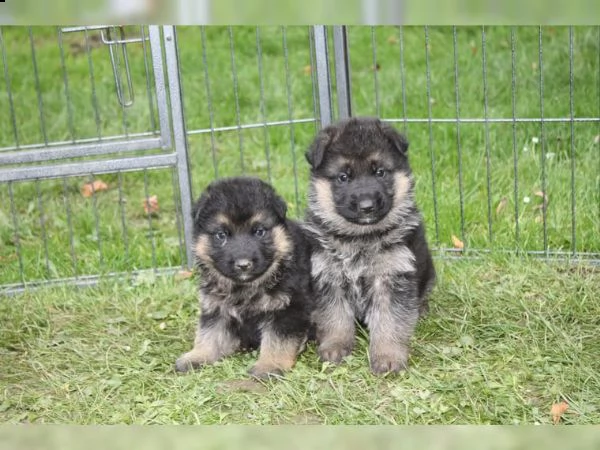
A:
(243, 265)
(366, 205)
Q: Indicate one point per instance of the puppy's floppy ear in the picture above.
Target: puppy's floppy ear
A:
(324, 139)
(395, 138)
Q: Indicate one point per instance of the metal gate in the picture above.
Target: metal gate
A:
(108, 133)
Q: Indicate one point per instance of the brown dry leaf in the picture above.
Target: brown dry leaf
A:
(544, 198)
(458, 244)
(88, 189)
(597, 139)
(183, 275)
(473, 48)
(307, 70)
(151, 205)
(557, 410)
(392, 39)
(501, 205)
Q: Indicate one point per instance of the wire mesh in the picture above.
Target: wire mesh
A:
(504, 124)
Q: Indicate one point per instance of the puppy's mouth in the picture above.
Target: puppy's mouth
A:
(367, 220)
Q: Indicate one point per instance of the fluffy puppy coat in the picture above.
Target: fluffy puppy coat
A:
(371, 263)
(255, 287)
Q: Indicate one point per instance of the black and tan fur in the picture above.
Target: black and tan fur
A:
(254, 267)
(372, 264)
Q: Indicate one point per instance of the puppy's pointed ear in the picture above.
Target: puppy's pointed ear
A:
(280, 207)
(322, 141)
(395, 138)
(199, 206)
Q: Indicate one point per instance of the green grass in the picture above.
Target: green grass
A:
(504, 341)
(101, 243)
(506, 337)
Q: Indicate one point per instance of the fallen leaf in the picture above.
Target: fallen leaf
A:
(597, 139)
(307, 70)
(457, 243)
(501, 205)
(557, 410)
(392, 39)
(151, 205)
(544, 200)
(88, 189)
(183, 275)
(473, 48)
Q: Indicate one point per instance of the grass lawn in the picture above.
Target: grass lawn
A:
(504, 341)
(507, 337)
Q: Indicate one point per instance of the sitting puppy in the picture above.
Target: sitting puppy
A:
(255, 287)
(372, 262)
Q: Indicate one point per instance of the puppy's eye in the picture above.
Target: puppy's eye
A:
(379, 172)
(342, 177)
(260, 232)
(220, 236)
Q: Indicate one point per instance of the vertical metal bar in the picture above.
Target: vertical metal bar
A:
(431, 152)
(458, 145)
(67, 92)
(70, 225)
(43, 226)
(11, 105)
(313, 73)
(149, 216)
(115, 57)
(513, 52)
(571, 116)
(160, 85)
(598, 152)
(148, 76)
(237, 100)
(209, 104)
(262, 102)
(97, 222)
(288, 88)
(38, 90)
(403, 79)
(323, 81)
(93, 84)
(487, 135)
(179, 133)
(542, 138)
(342, 71)
(375, 70)
(13, 212)
(122, 212)
(177, 203)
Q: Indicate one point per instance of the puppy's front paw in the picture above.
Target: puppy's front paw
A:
(262, 372)
(334, 352)
(190, 361)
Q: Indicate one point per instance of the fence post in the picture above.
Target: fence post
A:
(180, 138)
(323, 80)
(342, 71)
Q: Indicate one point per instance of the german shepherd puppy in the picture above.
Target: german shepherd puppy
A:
(255, 286)
(371, 263)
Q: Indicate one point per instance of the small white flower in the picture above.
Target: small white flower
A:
(526, 199)
(525, 149)
(550, 155)
(535, 140)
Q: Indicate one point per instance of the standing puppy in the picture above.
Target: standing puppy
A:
(255, 284)
(372, 262)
